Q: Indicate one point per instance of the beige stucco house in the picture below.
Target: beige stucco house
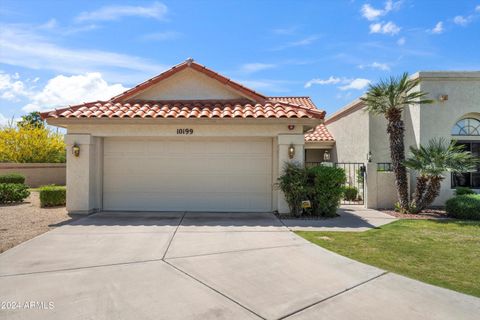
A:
(455, 115)
(188, 139)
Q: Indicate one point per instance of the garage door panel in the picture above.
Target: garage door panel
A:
(192, 175)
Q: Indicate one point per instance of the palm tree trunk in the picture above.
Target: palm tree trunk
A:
(431, 193)
(396, 130)
(420, 189)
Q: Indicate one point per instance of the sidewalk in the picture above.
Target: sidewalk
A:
(353, 218)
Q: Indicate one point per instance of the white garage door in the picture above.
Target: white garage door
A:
(187, 175)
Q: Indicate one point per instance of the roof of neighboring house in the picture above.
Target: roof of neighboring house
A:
(255, 105)
(186, 109)
(355, 105)
(319, 133)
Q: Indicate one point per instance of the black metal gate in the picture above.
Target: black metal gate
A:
(355, 182)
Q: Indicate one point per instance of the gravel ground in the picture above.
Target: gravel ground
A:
(23, 221)
(426, 214)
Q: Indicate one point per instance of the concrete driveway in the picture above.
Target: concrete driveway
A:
(204, 266)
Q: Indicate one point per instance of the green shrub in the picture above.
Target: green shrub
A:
(464, 207)
(351, 193)
(325, 189)
(460, 191)
(51, 196)
(12, 178)
(13, 192)
(293, 184)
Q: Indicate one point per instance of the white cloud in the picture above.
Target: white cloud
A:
(401, 41)
(438, 28)
(3, 120)
(156, 11)
(23, 46)
(385, 28)
(299, 43)
(161, 36)
(255, 67)
(462, 21)
(356, 84)
(61, 91)
(285, 31)
(11, 88)
(376, 65)
(348, 84)
(371, 14)
(331, 80)
(477, 8)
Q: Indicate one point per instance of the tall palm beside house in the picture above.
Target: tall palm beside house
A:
(431, 162)
(389, 98)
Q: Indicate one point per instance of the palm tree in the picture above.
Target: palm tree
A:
(389, 98)
(431, 162)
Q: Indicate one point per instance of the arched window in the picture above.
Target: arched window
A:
(467, 127)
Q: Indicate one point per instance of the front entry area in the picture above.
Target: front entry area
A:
(187, 174)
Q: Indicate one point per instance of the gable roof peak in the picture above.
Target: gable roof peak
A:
(190, 63)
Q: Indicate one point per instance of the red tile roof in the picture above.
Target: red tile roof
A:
(186, 109)
(319, 133)
(254, 105)
(301, 101)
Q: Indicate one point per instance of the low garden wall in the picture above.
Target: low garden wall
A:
(380, 188)
(37, 174)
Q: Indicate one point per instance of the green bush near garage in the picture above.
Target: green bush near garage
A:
(13, 192)
(52, 196)
(12, 178)
(321, 185)
(464, 207)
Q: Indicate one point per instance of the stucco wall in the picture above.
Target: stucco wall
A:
(351, 134)
(438, 119)
(37, 174)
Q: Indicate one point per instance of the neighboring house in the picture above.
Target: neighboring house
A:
(188, 139)
(455, 115)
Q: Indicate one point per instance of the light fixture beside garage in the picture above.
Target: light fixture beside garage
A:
(291, 127)
(76, 150)
(291, 151)
(326, 156)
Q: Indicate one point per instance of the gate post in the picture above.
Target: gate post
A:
(371, 201)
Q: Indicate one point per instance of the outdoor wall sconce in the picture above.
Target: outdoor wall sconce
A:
(326, 156)
(369, 156)
(443, 97)
(76, 150)
(291, 127)
(291, 151)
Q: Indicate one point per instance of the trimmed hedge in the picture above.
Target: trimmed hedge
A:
(460, 191)
(12, 178)
(351, 193)
(464, 207)
(321, 185)
(327, 189)
(52, 196)
(13, 192)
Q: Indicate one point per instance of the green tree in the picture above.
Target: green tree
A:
(389, 98)
(32, 119)
(431, 162)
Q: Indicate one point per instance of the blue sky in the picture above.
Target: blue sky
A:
(54, 53)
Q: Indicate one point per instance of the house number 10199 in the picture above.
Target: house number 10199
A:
(186, 131)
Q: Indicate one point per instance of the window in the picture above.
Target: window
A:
(467, 127)
(468, 179)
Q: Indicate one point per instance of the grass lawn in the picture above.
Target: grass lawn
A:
(442, 253)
